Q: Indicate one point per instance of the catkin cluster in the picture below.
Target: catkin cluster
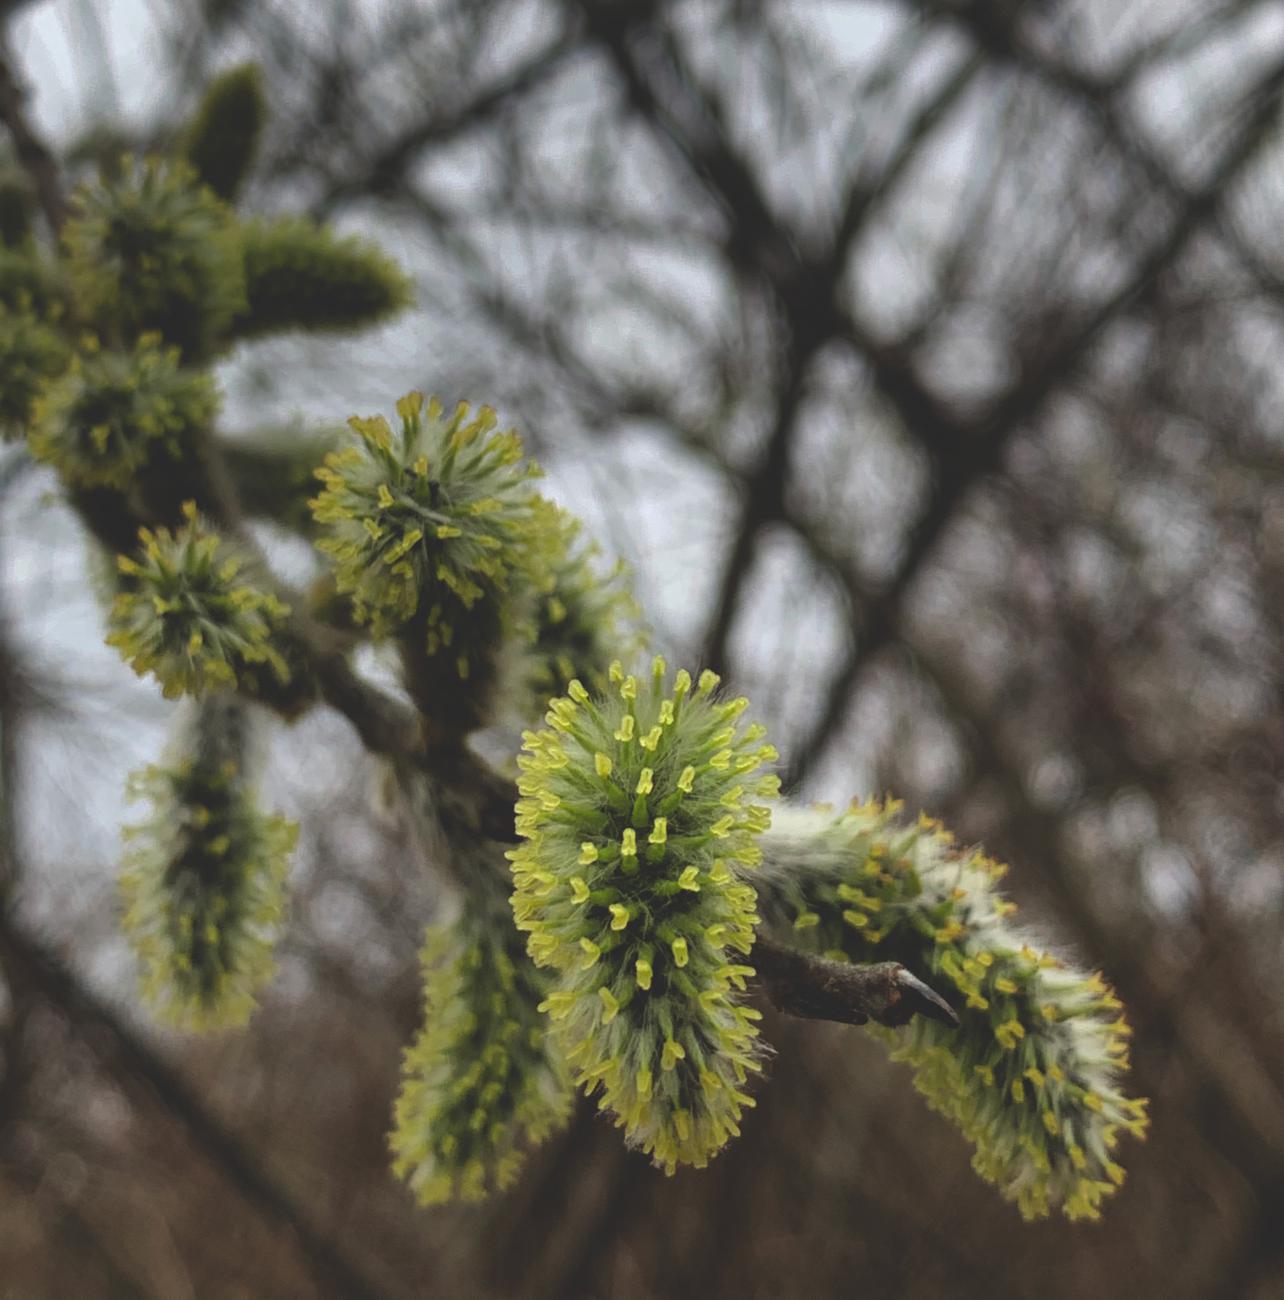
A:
(646, 850)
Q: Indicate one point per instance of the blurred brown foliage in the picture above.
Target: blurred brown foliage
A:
(924, 357)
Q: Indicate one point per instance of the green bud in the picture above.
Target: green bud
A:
(223, 137)
(300, 276)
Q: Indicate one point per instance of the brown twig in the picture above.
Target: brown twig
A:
(816, 988)
(32, 153)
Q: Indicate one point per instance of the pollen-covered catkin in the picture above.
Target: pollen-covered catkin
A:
(204, 875)
(638, 810)
(112, 412)
(482, 1082)
(1033, 1075)
(427, 520)
(583, 616)
(192, 611)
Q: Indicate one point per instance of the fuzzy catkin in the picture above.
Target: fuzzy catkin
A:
(154, 251)
(482, 1082)
(203, 881)
(637, 814)
(1033, 1075)
(192, 611)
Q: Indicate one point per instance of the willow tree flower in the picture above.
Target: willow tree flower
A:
(1033, 1075)
(204, 879)
(637, 812)
(152, 250)
(109, 413)
(584, 615)
(301, 276)
(192, 612)
(482, 1082)
(427, 521)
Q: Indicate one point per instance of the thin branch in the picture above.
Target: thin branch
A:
(962, 462)
(816, 988)
(32, 152)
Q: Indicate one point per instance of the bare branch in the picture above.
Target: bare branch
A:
(815, 988)
(33, 154)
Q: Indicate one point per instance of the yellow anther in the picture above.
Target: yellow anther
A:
(672, 1054)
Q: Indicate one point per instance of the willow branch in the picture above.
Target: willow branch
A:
(815, 988)
(32, 152)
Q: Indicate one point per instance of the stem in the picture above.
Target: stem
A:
(816, 988)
